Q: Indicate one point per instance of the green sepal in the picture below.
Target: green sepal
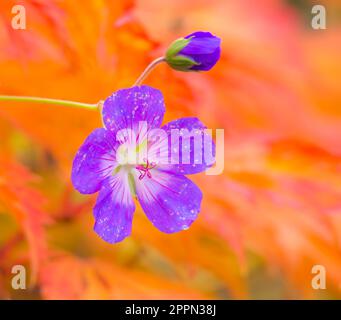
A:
(176, 61)
(176, 47)
(181, 63)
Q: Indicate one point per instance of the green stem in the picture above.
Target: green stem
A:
(49, 101)
(69, 103)
(151, 66)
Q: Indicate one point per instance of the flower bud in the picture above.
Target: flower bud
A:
(198, 51)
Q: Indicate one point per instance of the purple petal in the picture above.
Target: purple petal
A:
(94, 161)
(126, 107)
(171, 202)
(114, 209)
(204, 49)
(195, 154)
(201, 45)
(206, 62)
(200, 34)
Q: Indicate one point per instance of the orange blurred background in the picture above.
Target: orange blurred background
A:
(265, 222)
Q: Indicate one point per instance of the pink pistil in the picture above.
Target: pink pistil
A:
(144, 170)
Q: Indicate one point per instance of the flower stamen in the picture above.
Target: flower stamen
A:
(144, 170)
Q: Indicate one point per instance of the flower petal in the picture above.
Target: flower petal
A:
(206, 62)
(171, 202)
(94, 161)
(127, 107)
(194, 153)
(201, 43)
(114, 209)
(200, 34)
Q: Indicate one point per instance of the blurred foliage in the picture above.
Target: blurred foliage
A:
(274, 212)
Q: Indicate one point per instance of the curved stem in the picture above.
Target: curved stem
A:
(146, 72)
(49, 101)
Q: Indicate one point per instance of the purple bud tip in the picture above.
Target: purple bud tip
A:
(203, 48)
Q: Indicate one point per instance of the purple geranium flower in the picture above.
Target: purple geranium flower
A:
(170, 200)
(199, 51)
